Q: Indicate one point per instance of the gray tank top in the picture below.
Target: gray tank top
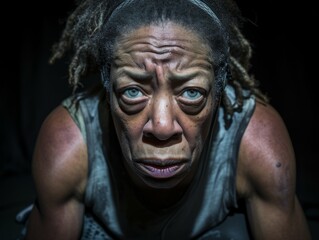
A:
(112, 211)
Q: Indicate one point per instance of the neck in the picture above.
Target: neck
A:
(159, 199)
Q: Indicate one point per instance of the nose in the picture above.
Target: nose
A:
(162, 124)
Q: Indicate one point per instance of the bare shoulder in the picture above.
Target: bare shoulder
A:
(266, 178)
(59, 170)
(60, 156)
(266, 158)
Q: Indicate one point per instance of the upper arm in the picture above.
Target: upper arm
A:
(59, 170)
(266, 178)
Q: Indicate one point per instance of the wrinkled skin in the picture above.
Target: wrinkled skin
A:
(162, 102)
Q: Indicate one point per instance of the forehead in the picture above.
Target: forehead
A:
(162, 36)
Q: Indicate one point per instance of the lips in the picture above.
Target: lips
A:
(160, 169)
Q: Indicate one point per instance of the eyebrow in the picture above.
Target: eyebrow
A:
(183, 76)
(137, 74)
(186, 75)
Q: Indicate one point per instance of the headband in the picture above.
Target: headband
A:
(197, 3)
(206, 9)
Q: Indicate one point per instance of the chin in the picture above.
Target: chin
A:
(162, 184)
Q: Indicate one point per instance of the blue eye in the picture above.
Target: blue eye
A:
(192, 94)
(132, 93)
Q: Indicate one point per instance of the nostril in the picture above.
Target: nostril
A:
(154, 140)
(161, 132)
(148, 135)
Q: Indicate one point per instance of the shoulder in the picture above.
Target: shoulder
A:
(59, 167)
(60, 156)
(266, 164)
(266, 178)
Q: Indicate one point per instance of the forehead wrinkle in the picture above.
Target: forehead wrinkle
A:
(122, 59)
(161, 42)
(153, 45)
(194, 62)
(161, 35)
(165, 52)
(160, 45)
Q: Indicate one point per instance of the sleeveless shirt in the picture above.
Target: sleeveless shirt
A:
(205, 210)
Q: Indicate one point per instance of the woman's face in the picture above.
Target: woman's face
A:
(162, 102)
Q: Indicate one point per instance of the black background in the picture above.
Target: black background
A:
(283, 34)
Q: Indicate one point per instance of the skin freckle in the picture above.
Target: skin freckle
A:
(278, 164)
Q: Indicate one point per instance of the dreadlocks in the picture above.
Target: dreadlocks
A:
(92, 43)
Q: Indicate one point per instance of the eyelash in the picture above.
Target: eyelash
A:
(133, 99)
(140, 93)
(197, 100)
(192, 91)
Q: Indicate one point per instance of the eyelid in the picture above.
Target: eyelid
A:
(201, 90)
(194, 90)
(132, 105)
(128, 85)
(192, 107)
(121, 90)
(134, 100)
(139, 92)
(193, 102)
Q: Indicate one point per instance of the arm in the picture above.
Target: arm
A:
(59, 169)
(266, 179)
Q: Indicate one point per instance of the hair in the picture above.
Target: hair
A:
(93, 28)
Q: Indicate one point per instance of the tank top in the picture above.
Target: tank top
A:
(205, 210)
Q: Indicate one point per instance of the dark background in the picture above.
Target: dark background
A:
(284, 61)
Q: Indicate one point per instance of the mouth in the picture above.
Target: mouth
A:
(161, 169)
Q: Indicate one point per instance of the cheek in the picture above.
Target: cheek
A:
(198, 127)
(207, 120)
(128, 127)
